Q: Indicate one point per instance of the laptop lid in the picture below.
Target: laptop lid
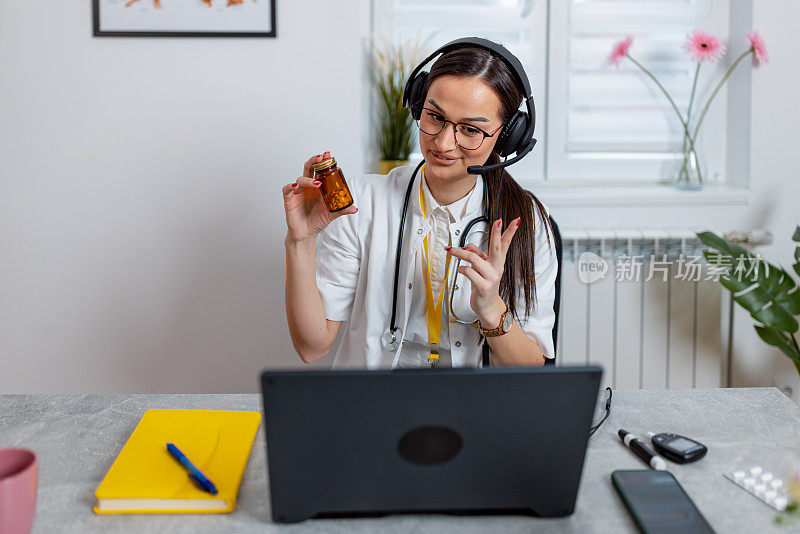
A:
(509, 439)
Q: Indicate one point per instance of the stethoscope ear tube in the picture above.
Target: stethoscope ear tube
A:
(392, 323)
(461, 243)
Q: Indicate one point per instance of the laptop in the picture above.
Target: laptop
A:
(467, 440)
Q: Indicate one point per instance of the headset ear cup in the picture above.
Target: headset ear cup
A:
(511, 137)
(416, 95)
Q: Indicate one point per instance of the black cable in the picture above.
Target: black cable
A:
(608, 412)
(392, 325)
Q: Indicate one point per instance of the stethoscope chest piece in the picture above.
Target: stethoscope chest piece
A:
(390, 340)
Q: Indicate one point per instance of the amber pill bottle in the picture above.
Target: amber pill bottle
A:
(334, 189)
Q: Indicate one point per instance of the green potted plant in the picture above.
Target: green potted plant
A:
(768, 292)
(395, 128)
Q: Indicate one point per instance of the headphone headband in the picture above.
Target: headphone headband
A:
(509, 58)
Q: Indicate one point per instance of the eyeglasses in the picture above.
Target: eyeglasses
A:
(467, 136)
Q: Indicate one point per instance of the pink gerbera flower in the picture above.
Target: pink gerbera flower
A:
(759, 49)
(620, 50)
(704, 47)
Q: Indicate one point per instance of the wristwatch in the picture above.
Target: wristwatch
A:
(506, 320)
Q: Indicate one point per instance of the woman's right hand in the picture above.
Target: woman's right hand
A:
(306, 212)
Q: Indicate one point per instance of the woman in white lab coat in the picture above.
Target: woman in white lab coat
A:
(340, 266)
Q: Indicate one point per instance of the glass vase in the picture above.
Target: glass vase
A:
(690, 174)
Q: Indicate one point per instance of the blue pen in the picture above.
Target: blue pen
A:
(194, 473)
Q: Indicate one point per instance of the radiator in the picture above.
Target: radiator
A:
(666, 326)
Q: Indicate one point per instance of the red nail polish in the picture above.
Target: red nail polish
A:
(317, 182)
(463, 248)
(448, 248)
(518, 220)
(499, 223)
(294, 185)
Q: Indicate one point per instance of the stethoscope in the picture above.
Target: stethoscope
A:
(390, 338)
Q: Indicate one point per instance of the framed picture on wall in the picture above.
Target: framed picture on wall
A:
(184, 18)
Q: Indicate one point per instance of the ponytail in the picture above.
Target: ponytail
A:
(516, 202)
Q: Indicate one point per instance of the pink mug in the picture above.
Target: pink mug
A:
(18, 477)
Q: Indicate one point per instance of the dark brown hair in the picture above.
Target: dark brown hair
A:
(477, 62)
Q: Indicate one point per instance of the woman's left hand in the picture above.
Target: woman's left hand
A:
(485, 272)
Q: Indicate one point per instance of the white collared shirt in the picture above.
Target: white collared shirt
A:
(442, 221)
(355, 264)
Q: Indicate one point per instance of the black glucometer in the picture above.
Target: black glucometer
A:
(678, 448)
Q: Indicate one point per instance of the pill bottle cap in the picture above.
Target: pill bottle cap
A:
(324, 164)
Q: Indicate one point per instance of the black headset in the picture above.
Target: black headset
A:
(516, 135)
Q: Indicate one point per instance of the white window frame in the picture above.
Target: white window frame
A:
(549, 162)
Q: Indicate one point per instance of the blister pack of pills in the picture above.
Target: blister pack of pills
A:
(763, 485)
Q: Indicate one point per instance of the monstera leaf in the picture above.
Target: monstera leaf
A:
(796, 239)
(768, 292)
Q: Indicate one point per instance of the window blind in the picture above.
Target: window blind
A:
(613, 124)
(619, 110)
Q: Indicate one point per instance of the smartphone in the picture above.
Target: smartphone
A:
(658, 503)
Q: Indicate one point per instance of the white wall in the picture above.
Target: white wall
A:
(775, 179)
(141, 220)
(141, 224)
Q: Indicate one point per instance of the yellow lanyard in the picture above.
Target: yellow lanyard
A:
(434, 309)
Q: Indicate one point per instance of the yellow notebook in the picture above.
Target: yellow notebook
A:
(146, 479)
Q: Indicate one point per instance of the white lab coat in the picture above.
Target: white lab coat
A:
(355, 274)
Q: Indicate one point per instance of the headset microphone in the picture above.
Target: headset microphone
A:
(485, 169)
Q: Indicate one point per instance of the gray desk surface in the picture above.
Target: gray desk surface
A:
(77, 438)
